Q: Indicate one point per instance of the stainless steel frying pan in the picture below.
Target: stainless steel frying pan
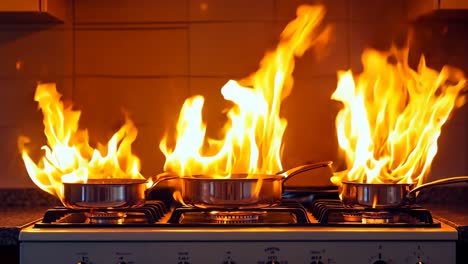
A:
(377, 195)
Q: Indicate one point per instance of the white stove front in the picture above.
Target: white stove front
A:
(217, 245)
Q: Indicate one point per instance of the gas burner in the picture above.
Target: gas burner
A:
(97, 217)
(334, 212)
(352, 217)
(286, 213)
(149, 213)
(381, 217)
(235, 217)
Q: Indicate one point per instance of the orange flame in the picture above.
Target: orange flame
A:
(252, 140)
(68, 157)
(392, 117)
(374, 200)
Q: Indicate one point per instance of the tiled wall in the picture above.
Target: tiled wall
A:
(145, 57)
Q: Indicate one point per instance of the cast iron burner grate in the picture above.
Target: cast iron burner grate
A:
(149, 213)
(286, 213)
(334, 213)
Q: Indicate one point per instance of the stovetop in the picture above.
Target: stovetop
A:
(322, 212)
(290, 232)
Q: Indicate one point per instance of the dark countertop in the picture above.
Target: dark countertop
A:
(449, 204)
(456, 216)
(18, 208)
(13, 219)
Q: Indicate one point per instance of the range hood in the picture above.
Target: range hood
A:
(32, 11)
(438, 10)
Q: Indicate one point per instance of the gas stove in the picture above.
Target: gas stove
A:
(322, 231)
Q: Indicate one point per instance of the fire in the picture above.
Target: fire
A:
(68, 157)
(252, 138)
(392, 117)
(374, 201)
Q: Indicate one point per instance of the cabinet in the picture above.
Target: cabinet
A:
(32, 11)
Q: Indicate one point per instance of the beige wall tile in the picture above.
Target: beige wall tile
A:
(231, 10)
(146, 147)
(326, 60)
(13, 173)
(214, 106)
(310, 134)
(228, 49)
(142, 52)
(379, 36)
(19, 116)
(12, 170)
(153, 104)
(130, 11)
(148, 101)
(417, 8)
(35, 52)
(17, 105)
(452, 154)
(207, 86)
(335, 9)
(392, 11)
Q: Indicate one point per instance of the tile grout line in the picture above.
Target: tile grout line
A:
(73, 46)
(119, 76)
(189, 72)
(348, 34)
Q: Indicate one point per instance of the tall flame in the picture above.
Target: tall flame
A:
(252, 140)
(392, 117)
(68, 157)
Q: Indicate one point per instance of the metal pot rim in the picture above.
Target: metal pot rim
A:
(94, 182)
(408, 193)
(376, 184)
(235, 177)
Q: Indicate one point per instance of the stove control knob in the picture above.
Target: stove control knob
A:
(419, 262)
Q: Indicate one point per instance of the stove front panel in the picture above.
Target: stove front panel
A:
(260, 252)
(262, 245)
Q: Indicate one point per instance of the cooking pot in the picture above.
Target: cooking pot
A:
(104, 194)
(238, 191)
(385, 195)
(201, 191)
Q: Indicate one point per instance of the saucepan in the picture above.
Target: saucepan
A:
(382, 196)
(238, 191)
(200, 190)
(104, 194)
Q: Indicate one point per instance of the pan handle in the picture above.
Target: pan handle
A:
(165, 176)
(288, 174)
(411, 194)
